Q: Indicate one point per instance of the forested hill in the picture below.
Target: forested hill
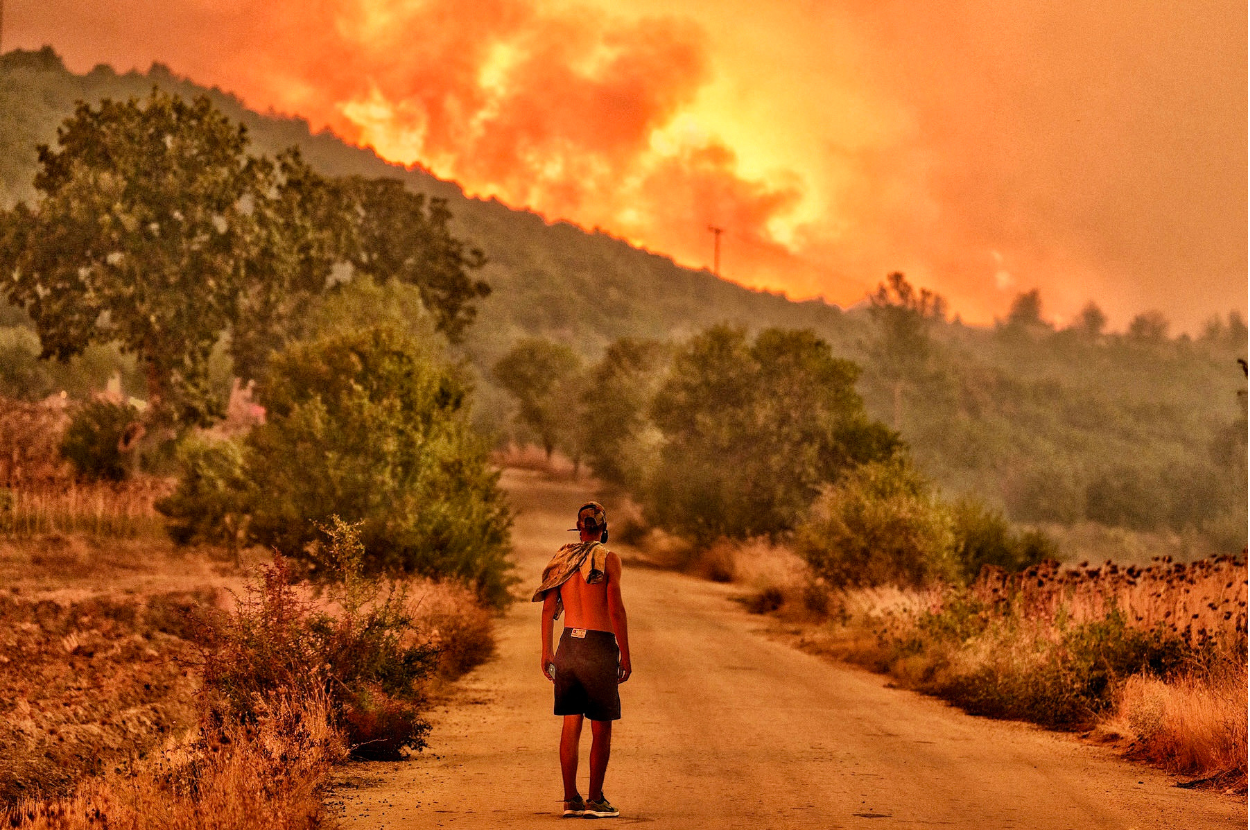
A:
(1135, 430)
(544, 276)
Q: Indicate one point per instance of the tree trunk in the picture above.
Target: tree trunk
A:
(156, 389)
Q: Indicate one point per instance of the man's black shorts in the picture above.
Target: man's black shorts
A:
(586, 679)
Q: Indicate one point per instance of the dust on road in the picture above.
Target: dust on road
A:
(725, 728)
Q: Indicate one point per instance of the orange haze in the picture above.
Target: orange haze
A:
(1096, 151)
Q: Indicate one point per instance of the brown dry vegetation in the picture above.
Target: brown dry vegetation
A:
(100, 677)
(99, 509)
(263, 776)
(1152, 657)
(84, 685)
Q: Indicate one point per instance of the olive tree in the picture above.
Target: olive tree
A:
(752, 430)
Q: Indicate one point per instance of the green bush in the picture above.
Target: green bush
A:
(364, 426)
(208, 503)
(881, 524)
(984, 537)
(97, 438)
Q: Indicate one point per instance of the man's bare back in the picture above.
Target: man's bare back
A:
(586, 606)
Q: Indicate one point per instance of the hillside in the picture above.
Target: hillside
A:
(1137, 431)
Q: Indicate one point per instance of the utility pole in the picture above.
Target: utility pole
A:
(716, 232)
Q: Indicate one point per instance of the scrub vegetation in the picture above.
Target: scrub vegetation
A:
(251, 365)
(292, 346)
(1150, 658)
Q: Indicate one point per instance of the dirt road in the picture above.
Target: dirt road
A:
(724, 728)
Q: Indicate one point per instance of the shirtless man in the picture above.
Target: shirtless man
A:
(584, 579)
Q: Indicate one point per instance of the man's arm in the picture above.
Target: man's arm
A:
(616, 613)
(549, 624)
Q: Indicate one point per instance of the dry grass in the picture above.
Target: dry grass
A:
(101, 509)
(97, 668)
(448, 616)
(1155, 653)
(266, 776)
(1194, 724)
(1201, 602)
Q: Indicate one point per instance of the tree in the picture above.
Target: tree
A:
(904, 317)
(398, 236)
(1026, 312)
(140, 237)
(620, 440)
(752, 430)
(1091, 321)
(297, 235)
(158, 231)
(1148, 327)
(540, 374)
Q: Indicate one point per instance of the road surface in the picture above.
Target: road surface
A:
(725, 728)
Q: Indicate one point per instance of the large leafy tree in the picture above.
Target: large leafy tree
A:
(902, 350)
(752, 430)
(140, 237)
(398, 235)
(619, 439)
(156, 230)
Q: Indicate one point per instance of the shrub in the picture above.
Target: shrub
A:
(208, 501)
(449, 616)
(277, 643)
(364, 426)
(879, 525)
(984, 537)
(97, 440)
(30, 442)
(766, 600)
(752, 431)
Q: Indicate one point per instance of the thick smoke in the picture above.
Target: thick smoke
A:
(1095, 151)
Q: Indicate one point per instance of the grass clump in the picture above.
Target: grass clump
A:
(1192, 724)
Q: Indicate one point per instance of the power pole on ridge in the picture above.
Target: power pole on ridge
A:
(716, 232)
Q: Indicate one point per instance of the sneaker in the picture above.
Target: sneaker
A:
(575, 808)
(600, 809)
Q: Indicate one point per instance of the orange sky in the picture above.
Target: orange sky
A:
(984, 148)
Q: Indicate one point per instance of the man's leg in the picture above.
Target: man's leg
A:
(600, 749)
(570, 739)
